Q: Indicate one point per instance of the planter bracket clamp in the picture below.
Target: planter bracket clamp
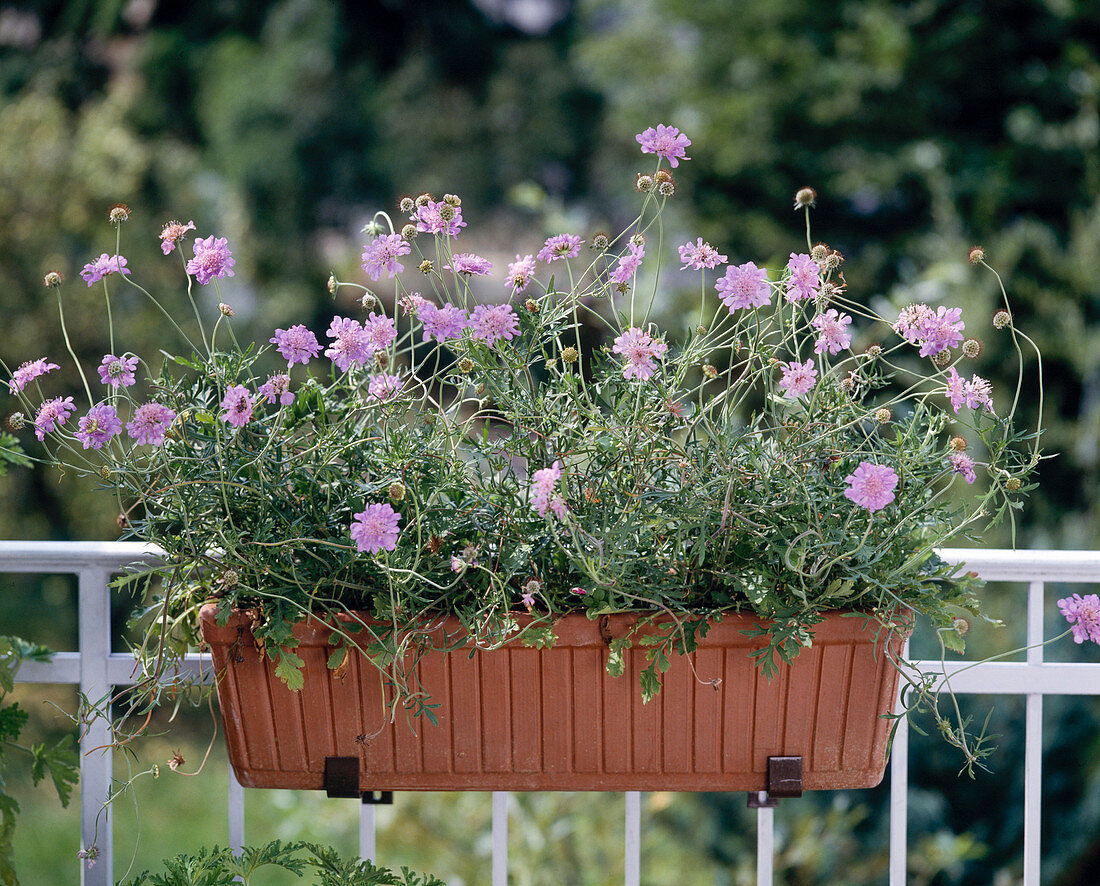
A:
(784, 780)
(342, 780)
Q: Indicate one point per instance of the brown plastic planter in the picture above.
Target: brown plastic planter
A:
(525, 719)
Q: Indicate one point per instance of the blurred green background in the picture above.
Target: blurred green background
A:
(926, 127)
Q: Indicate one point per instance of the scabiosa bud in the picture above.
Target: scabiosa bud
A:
(819, 253)
(230, 579)
(805, 197)
(53, 278)
(225, 309)
(600, 241)
(959, 444)
(848, 383)
(17, 421)
(882, 415)
(666, 189)
(406, 204)
(397, 491)
(1012, 484)
(644, 183)
(1001, 319)
(532, 306)
(976, 254)
(961, 626)
(118, 213)
(874, 352)
(710, 371)
(368, 301)
(331, 285)
(637, 239)
(972, 348)
(423, 200)
(373, 228)
(551, 364)
(426, 266)
(701, 329)
(569, 355)
(408, 232)
(452, 199)
(122, 521)
(942, 359)
(466, 365)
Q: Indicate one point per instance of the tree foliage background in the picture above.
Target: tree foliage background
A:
(926, 127)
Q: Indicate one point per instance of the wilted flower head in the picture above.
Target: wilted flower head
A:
(805, 197)
(53, 278)
(173, 232)
(118, 213)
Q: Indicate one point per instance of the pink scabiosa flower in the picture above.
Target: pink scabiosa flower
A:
(471, 265)
(103, 266)
(640, 350)
(744, 286)
(941, 331)
(381, 332)
(699, 255)
(412, 303)
(871, 486)
(804, 279)
(911, 321)
(28, 372)
(544, 494)
(492, 323)
(238, 406)
(664, 141)
(978, 392)
(173, 232)
(628, 265)
(429, 218)
(51, 415)
(955, 390)
(798, 378)
(961, 463)
(98, 426)
(375, 528)
(212, 260)
(296, 345)
(1083, 614)
(277, 387)
(519, 273)
(381, 256)
(149, 423)
(118, 372)
(383, 387)
(350, 343)
(443, 323)
(833, 329)
(560, 246)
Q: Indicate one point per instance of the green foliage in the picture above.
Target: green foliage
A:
(58, 762)
(221, 867)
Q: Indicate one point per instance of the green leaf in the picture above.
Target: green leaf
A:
(61, 763)
(289, 670)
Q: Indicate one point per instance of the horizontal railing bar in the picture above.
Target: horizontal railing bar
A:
(997, 564)
(72, 556)
(1017, 678)
(65, 668)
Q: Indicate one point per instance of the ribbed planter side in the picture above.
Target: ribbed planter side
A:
(552, 719)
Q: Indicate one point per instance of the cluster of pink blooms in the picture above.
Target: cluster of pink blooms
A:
(212, 260)
(103, 266)
(798, 378)
(934, 331)
(277, 387)
(544, 494)
(383, 386)
(700, 255)
(381, 256)
(375, 528)
(1083, 614)
(355, 342)
(639, 349)
(976, 393)
(871, 486)
(664, 141)
(28, 372)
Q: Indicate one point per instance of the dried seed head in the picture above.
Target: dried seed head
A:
(805, 197)
(959, 444)
(882, 415)
(434, 544)
(551, 364)
(1002, 319)
(225, 309)
(332, 284)
(710, 371)
(942, 359)
(230, 579)
(17, 421)
(426, 266)
(409, 232)
(833, 260)
(423, 199)
(666, 189)
(662, 175)
(406, 204)
(452, 200)
(368, 301)
(848, 383)
(53, 278)
(819, 253)
(466, 365)
(569, 355)
(972, 348)
(480, 390)
(397, 492)
(1012, 484)
(446, 211)
(638, 239)
(532, 306)
(977, 254)
(600, 241)
(118, 213)
(961, 626)
(643, 183)
(874, 352)
(176, 761)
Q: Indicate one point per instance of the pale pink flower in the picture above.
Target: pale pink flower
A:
(544, 495)
(664, 141)
(871, 486)
(238, 406)
(381, 255)
(117, 371)
(699, 255)
(51, 415)
(519, 273)
(149, 423)
(744, 286)
(383, 386)
(471, 265)
(296, 345)
(97, 427)
(350, 343)
(628, 265)
(430, 220)
(803, 281)
(381, 332)
(28, 372)
(560, 246)
(375, 528)
(277, 387)
(490, 324)
(833, 328)
(443, 323)
(798, 378)
(1083, 614)
(172, 233)
(103, 266)
(961, 463)
(212, 260)
(640, 350)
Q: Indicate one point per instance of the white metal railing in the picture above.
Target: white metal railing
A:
(95, 669)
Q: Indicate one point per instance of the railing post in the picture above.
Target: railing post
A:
(632, 857)
(94, 617)
(899, 802)
(1033, 742)
(500, 838)
(765, 846)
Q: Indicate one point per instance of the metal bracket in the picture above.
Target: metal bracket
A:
(342, 780)
(784, 780)
(377, 798)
